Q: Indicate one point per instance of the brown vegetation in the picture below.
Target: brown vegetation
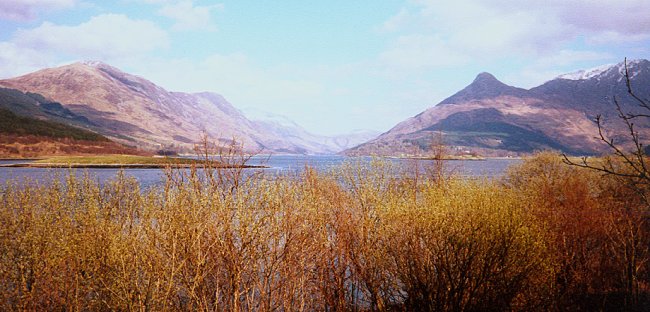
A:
(12, 145)
(597, 230)
(546, 237)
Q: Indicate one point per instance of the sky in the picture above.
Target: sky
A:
(331, 66)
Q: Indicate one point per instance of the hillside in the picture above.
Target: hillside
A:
(491, 118)
(22, 136)
(135, 111)
(11, 123)
(31, 126)
(34, 105)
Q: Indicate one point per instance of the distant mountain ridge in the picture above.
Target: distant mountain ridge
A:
(135, 111)
(492, 118)
(318, 144)
(634, 66)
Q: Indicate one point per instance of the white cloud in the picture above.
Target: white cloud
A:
(588, 16)
(16, 60)
(569, 57)
(485, 31)
(107, 36)
(548, 67)
(234, 75)
(188, 16)
(396, 21)
(616, 38)
(417, 52)
(22, 10)
(110, 38)
(622, 16)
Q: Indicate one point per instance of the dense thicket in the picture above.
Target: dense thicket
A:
(546, 237)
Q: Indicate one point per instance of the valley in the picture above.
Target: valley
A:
(487, 118)
(133, 111)
(194, 155)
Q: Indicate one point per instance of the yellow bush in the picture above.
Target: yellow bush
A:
(365, 237)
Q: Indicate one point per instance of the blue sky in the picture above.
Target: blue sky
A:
(331, 66)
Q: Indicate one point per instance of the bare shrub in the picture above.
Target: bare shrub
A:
(596, 229)
(361, 238)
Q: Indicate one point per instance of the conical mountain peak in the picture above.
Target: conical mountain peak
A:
(485, 77)
(486, 80)
(485, 85)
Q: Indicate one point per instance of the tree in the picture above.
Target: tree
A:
(628, 163)
(629, 228)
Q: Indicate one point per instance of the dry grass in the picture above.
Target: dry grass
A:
(117, 160)
(16, 146)
(129, 161)
(548, 237)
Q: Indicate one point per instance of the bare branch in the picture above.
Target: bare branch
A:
(628, 83)
(631, 165)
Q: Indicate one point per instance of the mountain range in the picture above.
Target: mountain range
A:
(285, 128)
(134, 111)
(489, 117)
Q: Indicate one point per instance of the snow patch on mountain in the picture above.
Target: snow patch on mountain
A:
(284, 127)
(619, 69)
(587, 73)
(92, 63)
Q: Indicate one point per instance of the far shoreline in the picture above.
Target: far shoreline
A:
(119, 162)
(126, 166)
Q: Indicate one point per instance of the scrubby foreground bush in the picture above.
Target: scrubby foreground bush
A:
(547, 237)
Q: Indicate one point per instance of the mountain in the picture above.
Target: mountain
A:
(133, 110)
(492, 118)
(32, 126)
(34, 105)
(13, 124)
(287, 129)
(345, 141)
(484, 86)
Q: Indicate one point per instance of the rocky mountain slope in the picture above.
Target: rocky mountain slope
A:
(492, 118)
(135, 111)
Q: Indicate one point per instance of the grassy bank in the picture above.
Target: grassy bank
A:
(546, 237)
(30, 146)
(122, 161)
(446, 157)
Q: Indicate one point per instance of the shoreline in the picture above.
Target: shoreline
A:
(21, 159)
(436, 158)
(125, 166)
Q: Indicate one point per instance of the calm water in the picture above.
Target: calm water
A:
(280, 164)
